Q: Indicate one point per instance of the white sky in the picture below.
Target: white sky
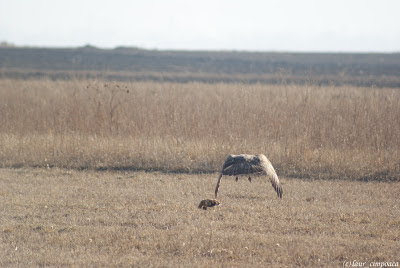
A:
(256, 25)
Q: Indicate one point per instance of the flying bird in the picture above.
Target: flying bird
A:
(254, 165)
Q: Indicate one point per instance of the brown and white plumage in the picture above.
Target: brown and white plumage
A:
(245, 164)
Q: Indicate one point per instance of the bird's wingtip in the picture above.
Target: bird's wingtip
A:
(280, 192)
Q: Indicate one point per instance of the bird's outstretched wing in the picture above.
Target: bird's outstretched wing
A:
(271, 174)
(275, 183)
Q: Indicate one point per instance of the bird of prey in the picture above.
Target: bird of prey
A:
(254, 165)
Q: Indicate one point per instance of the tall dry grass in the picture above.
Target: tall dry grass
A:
(306, 131)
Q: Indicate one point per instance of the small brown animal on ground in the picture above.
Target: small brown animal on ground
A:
(204, 204)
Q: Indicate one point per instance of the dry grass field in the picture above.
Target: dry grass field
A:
(62, 217)
(96, 173)
(306, 131)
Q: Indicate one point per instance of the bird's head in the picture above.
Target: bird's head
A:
(216, 202)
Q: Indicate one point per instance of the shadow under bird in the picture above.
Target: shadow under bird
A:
(251, 165)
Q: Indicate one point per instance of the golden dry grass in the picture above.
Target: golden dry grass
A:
(306, 131)
(61, 217)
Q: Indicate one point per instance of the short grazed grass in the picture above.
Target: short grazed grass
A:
(63, 217)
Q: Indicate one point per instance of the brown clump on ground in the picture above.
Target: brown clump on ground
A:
(208, 203)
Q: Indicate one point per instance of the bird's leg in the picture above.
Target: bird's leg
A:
(237, 178)
(249, 179)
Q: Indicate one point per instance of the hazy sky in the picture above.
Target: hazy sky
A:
(279, 25)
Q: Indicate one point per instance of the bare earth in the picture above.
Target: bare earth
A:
(60, 217)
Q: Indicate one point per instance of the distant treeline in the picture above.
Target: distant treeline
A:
(123, 63)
